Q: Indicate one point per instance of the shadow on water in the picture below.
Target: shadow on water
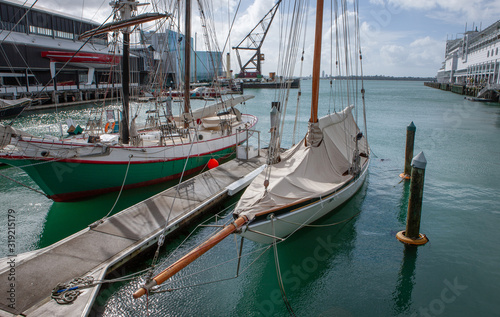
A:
(406, 282)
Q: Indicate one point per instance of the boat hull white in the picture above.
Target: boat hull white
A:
(261, 231)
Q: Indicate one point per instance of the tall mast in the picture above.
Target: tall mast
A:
(126, 7)
(316, 61)
(125, 86)
(187, 57)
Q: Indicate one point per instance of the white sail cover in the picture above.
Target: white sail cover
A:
(306, 172)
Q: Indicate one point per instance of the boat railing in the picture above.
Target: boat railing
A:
(245, 143)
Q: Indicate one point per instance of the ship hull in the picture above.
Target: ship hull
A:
(72, 180)
(68, 171)
(295, 217)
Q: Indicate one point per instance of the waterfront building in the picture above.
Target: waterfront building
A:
(36, 43)
(474, 59)
(168, 46)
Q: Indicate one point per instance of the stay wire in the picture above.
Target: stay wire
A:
(17, 182)
(278, 271)
(265, 249)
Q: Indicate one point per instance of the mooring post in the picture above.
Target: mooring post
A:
(412, 235)
(410, 140)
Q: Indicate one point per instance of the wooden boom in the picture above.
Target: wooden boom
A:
(191, 256)
(113, 26)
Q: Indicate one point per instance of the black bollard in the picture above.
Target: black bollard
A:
(410, 140)
(411, 235)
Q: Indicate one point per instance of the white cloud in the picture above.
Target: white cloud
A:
(393, 54)
(426, 51)
(387, 49)
(422, 57)
(454, 11)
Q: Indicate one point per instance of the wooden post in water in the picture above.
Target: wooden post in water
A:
(410, 140)
(412, 235)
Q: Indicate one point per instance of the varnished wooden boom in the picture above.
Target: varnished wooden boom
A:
(193, 255)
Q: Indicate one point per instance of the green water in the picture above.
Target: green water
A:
(357, 268)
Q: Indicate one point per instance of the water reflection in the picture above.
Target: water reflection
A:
(306, 261)
(403, 202)
(406, 281)
(67, 218)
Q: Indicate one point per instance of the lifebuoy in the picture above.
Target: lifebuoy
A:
(106, 127)
(198, 121)
(422, 238)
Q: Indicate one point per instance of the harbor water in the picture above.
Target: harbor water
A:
(353, 268)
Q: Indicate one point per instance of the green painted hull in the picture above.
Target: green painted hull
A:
(67, 181)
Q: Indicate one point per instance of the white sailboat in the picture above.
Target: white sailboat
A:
(321, 172)
(85, 165)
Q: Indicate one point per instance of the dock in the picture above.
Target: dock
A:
(98, 250)
(294, 83)
(490, 91)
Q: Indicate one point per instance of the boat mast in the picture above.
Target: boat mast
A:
(187, 60)
(316, 61)
(126, 7)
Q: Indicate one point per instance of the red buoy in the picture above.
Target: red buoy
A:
(212, 163)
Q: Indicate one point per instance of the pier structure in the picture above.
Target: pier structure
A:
(63, 94)
(106, 245)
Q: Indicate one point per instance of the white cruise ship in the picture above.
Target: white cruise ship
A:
(473, 60)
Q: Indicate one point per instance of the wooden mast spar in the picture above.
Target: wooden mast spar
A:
(316, 61)
(125, 7)
(187, 62)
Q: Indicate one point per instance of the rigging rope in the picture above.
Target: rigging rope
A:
(93, 225)
(278, 271)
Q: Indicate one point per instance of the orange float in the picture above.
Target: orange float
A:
(213, 163)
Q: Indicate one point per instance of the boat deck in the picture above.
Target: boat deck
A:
(96, 251)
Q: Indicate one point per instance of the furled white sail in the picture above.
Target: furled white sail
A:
(304, 171)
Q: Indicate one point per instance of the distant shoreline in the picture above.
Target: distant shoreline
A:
(382, 78)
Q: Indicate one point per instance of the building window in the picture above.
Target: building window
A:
(9, 16)
(496, 53)
(488, 55)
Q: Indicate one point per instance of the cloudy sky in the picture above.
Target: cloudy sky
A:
(399, 37)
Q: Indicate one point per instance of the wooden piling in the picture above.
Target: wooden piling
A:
(410, 140)
(412, 235)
